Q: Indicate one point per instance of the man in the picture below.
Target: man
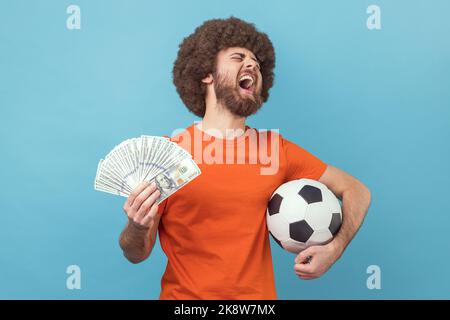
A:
(213, 230)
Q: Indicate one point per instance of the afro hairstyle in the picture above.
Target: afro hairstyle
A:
(198, 52)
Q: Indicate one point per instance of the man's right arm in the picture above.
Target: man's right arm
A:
(139, 236)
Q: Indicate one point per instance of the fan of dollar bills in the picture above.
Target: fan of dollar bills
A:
(146, 158)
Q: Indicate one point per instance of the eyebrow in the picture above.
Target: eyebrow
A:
(242, 55)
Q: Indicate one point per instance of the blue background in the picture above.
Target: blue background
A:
(375, 103)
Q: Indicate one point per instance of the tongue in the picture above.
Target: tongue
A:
(246, 84)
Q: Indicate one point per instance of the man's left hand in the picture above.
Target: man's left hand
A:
(314, 261)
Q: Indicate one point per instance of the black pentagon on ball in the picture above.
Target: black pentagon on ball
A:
(335, 223)
(300, 231)
(276, 240)
(274, 204)
(311, 194)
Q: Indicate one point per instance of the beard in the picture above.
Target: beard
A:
(237, 103)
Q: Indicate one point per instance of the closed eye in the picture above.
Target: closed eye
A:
(240, 59)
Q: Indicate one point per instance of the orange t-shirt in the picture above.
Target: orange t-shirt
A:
(213, 230)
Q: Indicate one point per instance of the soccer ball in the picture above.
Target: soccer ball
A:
(302, 213)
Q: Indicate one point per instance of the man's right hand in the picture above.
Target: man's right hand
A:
(141, 207)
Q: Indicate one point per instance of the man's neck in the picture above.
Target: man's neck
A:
(217, 117)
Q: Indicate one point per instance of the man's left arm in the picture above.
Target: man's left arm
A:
(314, 261)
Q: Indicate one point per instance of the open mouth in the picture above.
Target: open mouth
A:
(246, 83)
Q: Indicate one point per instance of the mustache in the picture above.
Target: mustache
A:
(224, 79)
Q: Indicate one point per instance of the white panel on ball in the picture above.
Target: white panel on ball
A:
(319, 237)
(293, 208)
(279, 227)
(318, 215)
(332, 201)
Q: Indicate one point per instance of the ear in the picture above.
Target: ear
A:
(208, 80)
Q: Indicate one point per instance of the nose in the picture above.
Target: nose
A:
(250, 64)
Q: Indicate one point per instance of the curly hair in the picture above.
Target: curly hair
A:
(197, 57)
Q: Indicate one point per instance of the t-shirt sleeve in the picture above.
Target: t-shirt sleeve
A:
(300, 163)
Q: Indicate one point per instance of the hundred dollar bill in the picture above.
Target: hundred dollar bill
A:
(174, 178)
